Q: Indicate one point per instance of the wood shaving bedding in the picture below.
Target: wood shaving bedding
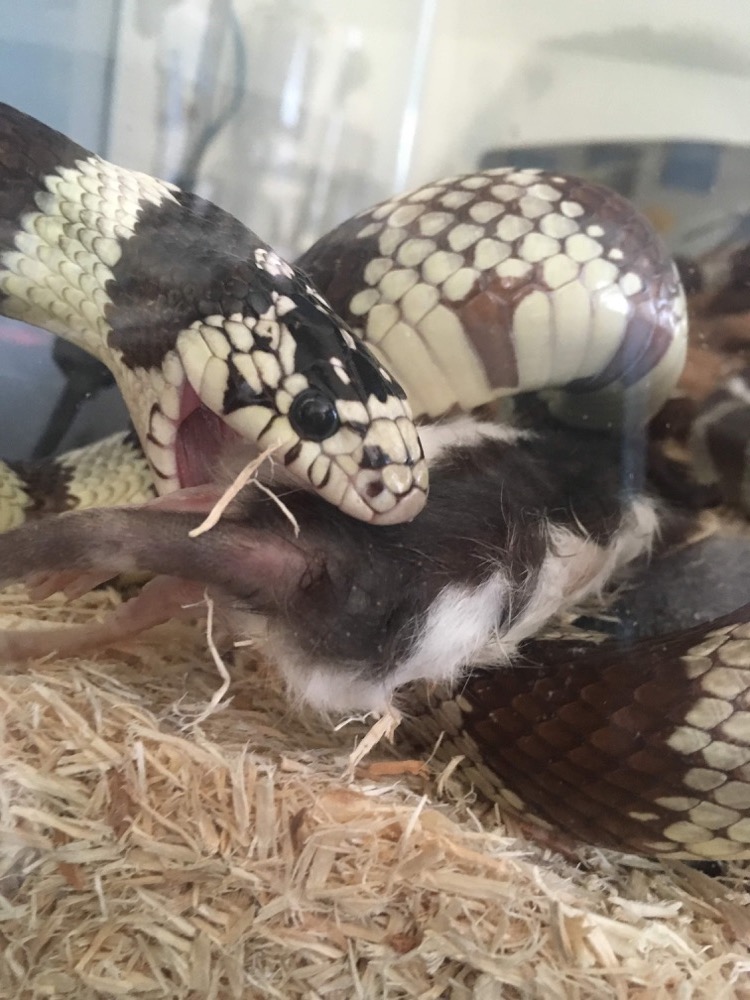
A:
(254, 854)
(246, 475)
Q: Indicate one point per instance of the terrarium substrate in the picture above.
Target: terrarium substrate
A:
(151, 850)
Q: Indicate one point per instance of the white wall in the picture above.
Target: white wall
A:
(349, 100)
(541, 71)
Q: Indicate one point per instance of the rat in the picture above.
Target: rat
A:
(519, 525)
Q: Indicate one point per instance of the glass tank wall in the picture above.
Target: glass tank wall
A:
(210, 833)
(294, 114)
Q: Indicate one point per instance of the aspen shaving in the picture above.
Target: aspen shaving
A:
(235, 860)
(245, 476)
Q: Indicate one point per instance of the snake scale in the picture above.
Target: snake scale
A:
(424, 308)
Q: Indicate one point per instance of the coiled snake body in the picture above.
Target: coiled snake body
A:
(466, 290)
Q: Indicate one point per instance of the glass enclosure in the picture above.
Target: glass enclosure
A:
(294, 116)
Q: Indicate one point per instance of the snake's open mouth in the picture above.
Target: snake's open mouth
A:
(200, 441)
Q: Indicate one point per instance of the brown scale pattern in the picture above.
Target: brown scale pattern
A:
(596, 741)
(108, 472)
(486, 239)
(45, 485)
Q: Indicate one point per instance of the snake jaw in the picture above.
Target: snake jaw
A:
(368, 461)
(181, 438)
(192, 410)
(375, 465)
(392, 478)
(379, 476)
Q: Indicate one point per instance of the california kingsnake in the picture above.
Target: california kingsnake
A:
(225, 340)
(469, 289)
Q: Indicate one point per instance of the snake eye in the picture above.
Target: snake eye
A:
(313, 415)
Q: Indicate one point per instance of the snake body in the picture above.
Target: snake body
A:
(209, 333)
(643, 748)
(467, 290)
(510, 281)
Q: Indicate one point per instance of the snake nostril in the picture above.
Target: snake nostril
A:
(374, 489)
(373, 457)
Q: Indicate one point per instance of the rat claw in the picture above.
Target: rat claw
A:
(72, 583)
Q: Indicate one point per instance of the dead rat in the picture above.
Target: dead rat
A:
(518, 526)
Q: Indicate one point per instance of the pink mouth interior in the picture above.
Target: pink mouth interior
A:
(201, 438)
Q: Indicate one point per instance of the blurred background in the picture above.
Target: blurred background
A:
(294, 114)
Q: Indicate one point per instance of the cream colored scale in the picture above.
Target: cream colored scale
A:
(57, 275)
(65, 253)
(512, 226)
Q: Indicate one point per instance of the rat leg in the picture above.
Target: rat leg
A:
(161, 599)
(77, 582)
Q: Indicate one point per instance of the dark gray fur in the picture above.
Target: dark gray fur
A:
(346, 592)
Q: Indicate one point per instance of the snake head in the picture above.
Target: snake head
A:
(286, 373)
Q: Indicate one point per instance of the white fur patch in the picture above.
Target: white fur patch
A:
(464, 431)
(462, 627)
(576, 567)
(457, 627)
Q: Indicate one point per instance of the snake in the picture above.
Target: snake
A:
(459, 296)
(226, 339)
